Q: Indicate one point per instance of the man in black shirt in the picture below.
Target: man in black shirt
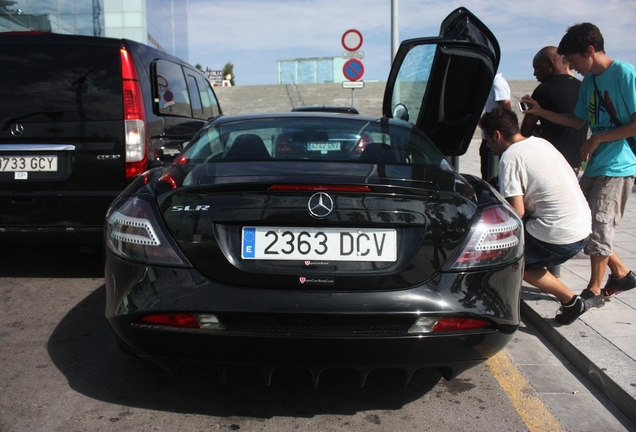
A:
(558, 92)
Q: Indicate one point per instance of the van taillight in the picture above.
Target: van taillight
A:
(134, 118)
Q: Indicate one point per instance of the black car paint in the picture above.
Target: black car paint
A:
(354, 315)
(70, 204)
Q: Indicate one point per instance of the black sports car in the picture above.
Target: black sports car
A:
(323, 256)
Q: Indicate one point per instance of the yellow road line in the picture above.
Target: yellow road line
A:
(524, 398)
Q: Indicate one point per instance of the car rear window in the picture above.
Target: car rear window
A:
(314, 139)
(60, 83)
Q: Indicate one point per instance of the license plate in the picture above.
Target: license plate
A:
(323, 146)
(28, 163)
(332, 244)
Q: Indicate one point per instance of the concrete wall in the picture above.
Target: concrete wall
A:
(276, 98)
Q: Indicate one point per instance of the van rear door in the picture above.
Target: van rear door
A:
(62, 155)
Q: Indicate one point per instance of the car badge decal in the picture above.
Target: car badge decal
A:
(320, 205)
(329, 281)
(17, 129)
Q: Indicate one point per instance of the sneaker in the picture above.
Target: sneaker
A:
(615, 285)
(569, 312)
(592, 300)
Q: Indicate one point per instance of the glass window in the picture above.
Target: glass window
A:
(412, 79)
(315, 139)
(172, 90)
(208, 99)
(54, 82)
(195, 100)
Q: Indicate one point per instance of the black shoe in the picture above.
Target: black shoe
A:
(615, 285)
(592, 300)
(570, 311)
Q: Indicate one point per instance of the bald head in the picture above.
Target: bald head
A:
(548, 63)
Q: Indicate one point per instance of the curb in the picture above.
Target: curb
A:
(586, 349)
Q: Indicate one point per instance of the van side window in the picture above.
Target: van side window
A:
(172, 90)
(193, 89)
(208, 99)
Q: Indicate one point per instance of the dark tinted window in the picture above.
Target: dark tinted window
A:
(71, 83)
(208, 99)
(172, 89)
(314, 139)
(193, 89)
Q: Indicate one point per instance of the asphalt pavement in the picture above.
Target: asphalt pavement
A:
(599, 347)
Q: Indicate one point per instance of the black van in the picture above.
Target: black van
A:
(81, 117)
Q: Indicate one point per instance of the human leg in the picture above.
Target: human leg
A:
(621, 278)
(544, 280)
(607, 197)
(538, 256)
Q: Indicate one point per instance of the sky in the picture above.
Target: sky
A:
(254, 34)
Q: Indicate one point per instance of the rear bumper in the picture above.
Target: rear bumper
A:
(133, 290)
(54, 235)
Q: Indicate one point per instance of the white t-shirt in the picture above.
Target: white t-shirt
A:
(556, 210)
(499, 91)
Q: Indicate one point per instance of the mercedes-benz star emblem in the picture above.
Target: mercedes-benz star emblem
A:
(320, 205)
(17, 129)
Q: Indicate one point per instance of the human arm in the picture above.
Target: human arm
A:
(563, 119)
(505, 104)
(625, 131)
(517, 203)
(528, 123)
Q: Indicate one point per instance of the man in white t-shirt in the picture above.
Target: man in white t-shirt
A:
(540, 185)
(499, 96)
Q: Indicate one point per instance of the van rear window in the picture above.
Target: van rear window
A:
(71, 83)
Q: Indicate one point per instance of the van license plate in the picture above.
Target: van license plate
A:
(28, 163)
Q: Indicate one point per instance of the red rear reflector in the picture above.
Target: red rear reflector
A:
(448, 324)
(327, 188)
(183, 320)
(283, 146)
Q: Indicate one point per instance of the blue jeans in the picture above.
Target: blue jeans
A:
(540, 254)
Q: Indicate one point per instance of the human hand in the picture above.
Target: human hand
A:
(588, 148)
(533, 106)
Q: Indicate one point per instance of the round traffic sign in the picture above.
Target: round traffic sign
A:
(352, 40)
(353, 69)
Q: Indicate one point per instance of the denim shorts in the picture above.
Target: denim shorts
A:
(540, 254)
(607, 197)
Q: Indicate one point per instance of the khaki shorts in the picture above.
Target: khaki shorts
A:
(606, 197)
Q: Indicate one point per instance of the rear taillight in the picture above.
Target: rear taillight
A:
(362, 144)
(497, 238)
(134, 232)
(136, 139)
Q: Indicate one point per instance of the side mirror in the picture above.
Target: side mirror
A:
(400, 112)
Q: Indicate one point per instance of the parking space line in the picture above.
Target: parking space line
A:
(524, 398)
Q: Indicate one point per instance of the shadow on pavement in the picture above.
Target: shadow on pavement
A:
(51, 261)
(84, 350)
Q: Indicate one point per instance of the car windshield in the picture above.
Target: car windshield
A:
(314, 139)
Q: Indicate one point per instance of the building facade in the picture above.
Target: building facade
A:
(159, 23)
(311, 70)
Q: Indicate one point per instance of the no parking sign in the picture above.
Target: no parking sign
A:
(353, 69)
